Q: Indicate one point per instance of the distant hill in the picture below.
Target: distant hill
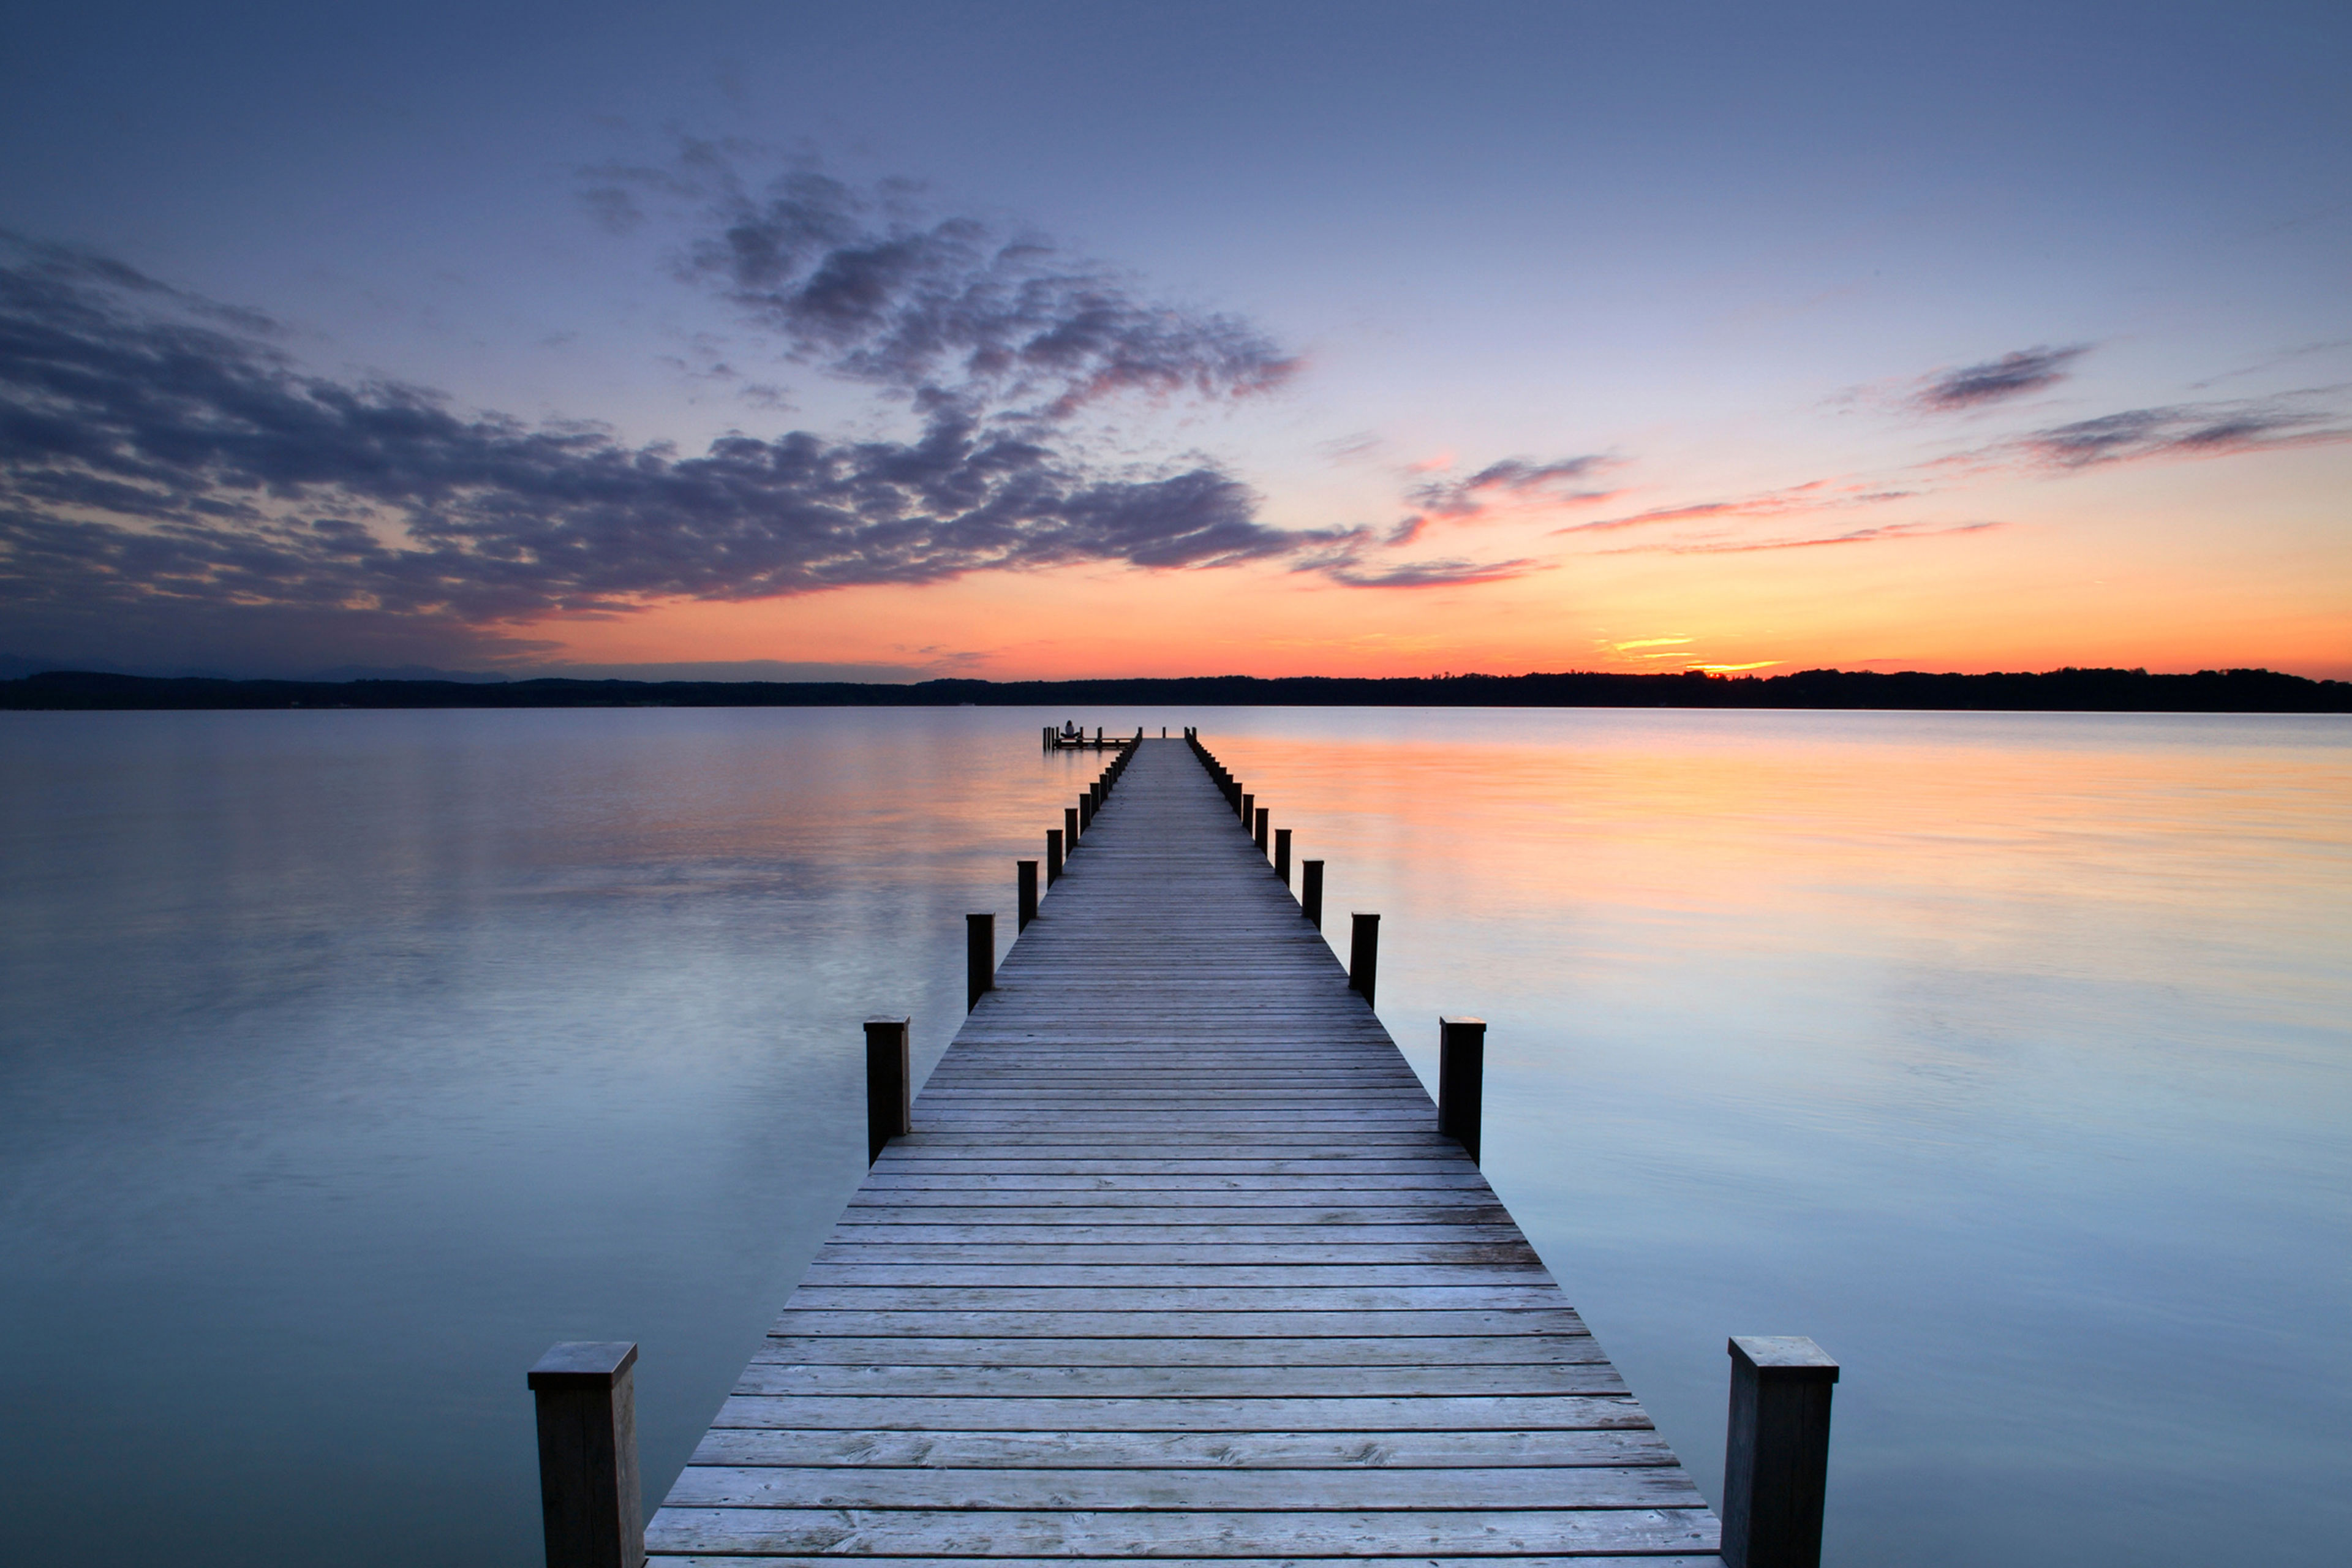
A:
(2057, 691)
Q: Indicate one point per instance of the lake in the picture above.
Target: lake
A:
(350, 1058)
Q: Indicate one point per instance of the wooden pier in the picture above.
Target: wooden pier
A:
(1175, 1265)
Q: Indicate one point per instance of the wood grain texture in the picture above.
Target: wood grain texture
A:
(1175, 1265)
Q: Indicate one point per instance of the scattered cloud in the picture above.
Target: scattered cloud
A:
(1996, 381)
(1347, 448)
(1427, 574)
(1814, 495)
(1851, 536)
(2187, 430)
(2274, 361)
(1517, 479)
(167, 473)
(866, 284)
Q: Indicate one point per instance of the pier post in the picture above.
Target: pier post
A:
(588, 1494)
(1281, 854)
(1052, 856)
(1249, 804)
(1776, 1457)
(1024, 880)
(979, 958)
(1069, 828)
(1262, 829)
(1461, 1079)
(1086, 811)
(1310, 891)
(1363, 954)
(889, 1085)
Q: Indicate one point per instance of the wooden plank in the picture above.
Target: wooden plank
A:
(1290, 1351)
(1424, 1413)
(1148, 1321)
(735, 1560)
(1276, 1452)
(1120, 1382)
(1157, 1297)
(1203, 1488)
(1079, 1532)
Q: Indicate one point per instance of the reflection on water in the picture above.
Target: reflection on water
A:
(351, 1057)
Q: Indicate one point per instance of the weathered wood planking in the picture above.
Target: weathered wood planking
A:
(1175, 1265)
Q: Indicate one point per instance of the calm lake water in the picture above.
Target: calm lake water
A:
(350, 1058)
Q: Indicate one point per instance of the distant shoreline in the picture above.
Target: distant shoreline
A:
(2060, 690)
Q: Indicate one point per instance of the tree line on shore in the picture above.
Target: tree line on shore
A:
(2057, 691)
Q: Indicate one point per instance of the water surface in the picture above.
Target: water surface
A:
(351, 1057)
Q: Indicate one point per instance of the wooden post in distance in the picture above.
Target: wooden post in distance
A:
(889, 1087)
(1262, 829)
(1024, 880)
(1310, 891)
(1461, 1079)
(979, 958)
(1363, 954)
(1281, 854)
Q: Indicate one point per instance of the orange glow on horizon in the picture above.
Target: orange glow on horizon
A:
(2129, 574)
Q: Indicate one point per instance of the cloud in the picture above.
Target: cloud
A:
(1513, 479)
(865, 284)
(1997, 381)
(2192, 430)
(167, 473)
(1429, 573)
(1814, 495)
(1883, 531)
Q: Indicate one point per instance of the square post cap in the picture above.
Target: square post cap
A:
(583, 1364)
(1446, 1023)
(1777, 1356)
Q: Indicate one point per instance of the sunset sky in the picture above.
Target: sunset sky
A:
(885, 340)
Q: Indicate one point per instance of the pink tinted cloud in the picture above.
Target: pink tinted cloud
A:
(1814, 495)
(1879, 533)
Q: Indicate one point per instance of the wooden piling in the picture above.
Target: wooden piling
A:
(1461, 1079)
(1025, 879)
(1363, 954)
(1259, 835)
(889, 1085)
(1052, 856)
(979, 958)
(1775, 1456)
(1281, 854)
(1070, 827)
(589, 1498)
(1086, 811)
(1310, 892)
